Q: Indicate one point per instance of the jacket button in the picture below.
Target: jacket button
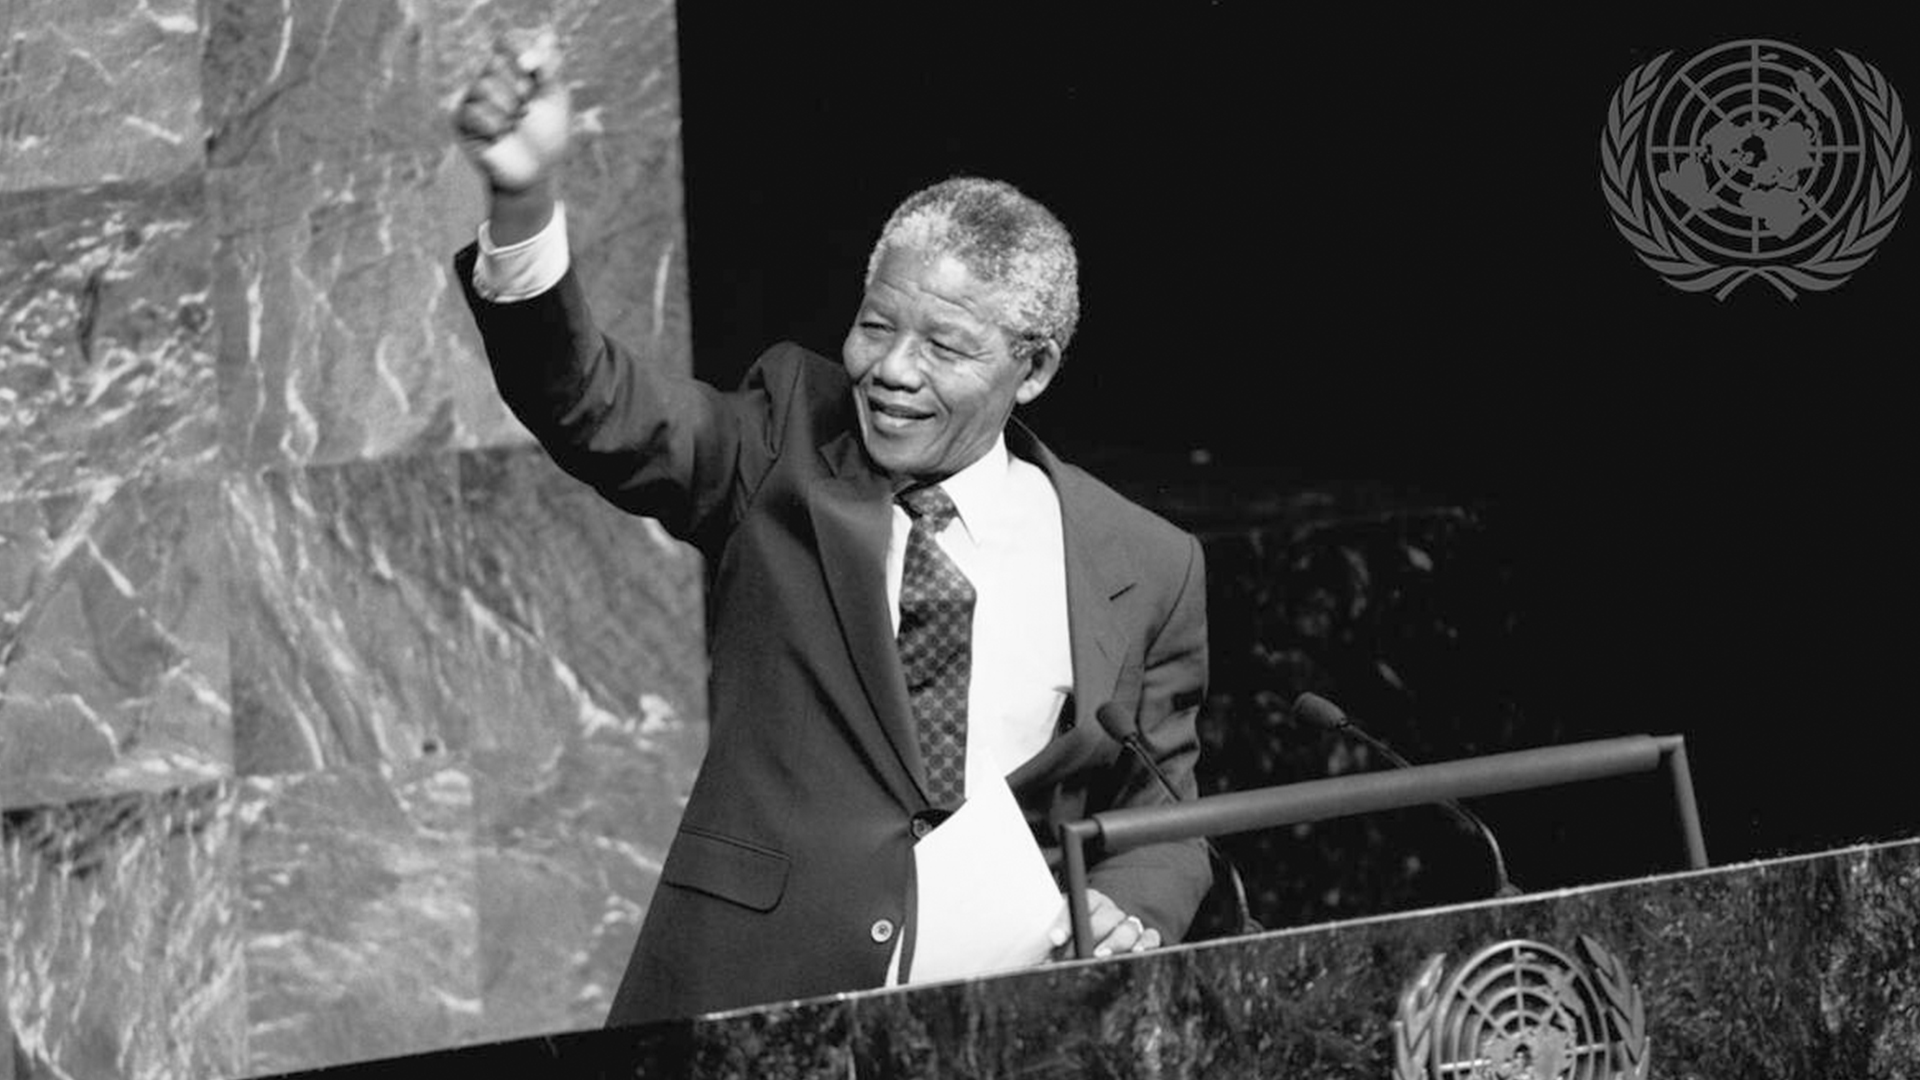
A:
(921, 827)
(882, 930)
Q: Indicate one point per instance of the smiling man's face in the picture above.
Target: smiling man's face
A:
(934, 373)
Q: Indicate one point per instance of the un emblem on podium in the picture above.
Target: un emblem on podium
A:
(1755, 159)
(1521, 1010)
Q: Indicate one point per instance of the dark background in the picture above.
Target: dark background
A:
(1350, 289)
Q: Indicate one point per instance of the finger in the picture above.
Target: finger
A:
(1102, 916)
(524, 79)
(540, 59)
(1148, 940)
(511, 43)
(502, 78)
(507, 88)
(1122, 937)
(480, 114)
(482, 120)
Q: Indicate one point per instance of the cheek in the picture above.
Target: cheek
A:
(854, 358)
(972, 404)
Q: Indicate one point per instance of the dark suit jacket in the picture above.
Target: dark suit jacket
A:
(797, 839)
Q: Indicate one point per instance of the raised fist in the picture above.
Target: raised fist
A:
(515, 118)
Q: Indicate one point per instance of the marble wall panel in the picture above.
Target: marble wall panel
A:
(113, 642)
(559, 912)
(361, 933)
(348, 338)
(124, 935)
(348, 626)
(106, 335)
(590, 620)
(244, 529)
(342, 199)
(591, 689)
(97, 91)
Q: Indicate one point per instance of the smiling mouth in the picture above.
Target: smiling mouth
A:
(894, 417)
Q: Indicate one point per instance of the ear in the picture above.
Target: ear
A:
(1042, 364)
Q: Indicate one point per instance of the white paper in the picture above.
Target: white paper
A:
(986, 898)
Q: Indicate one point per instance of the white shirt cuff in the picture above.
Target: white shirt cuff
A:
(524, 270)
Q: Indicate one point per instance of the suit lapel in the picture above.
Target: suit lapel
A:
(852, 520)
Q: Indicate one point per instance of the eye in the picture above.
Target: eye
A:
(874, 327)
(946, 348)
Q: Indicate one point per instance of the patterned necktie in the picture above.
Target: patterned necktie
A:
(936, 645)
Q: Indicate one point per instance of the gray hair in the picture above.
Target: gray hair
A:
(1006, 239)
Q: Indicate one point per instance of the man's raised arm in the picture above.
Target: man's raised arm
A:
(651, 441)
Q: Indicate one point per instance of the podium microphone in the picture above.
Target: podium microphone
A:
(1125, 730)
(1324, 714)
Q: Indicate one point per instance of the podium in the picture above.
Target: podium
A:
(1796, 967)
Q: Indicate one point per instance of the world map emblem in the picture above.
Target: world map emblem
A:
(1755, 159)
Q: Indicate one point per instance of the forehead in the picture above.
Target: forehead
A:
(936, 282)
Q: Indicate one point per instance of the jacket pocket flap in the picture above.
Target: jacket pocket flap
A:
(746, 874)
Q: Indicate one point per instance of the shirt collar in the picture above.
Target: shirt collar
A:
(979, 492)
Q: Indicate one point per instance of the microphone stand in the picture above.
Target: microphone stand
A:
(1324, 714)
(1111, 718)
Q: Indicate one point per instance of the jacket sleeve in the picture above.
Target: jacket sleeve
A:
(650, 441)
(1163, 884)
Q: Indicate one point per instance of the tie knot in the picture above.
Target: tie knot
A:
(931, 504)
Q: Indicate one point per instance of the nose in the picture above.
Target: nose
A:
(897, 366)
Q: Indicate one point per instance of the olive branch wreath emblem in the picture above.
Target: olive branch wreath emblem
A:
(1622, 1011)
(1622, 1005)
(1413, 1027)
(1637, 214)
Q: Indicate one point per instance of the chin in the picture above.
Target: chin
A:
(904, 468)
(889, 455)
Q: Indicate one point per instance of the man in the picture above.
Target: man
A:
(910, 597)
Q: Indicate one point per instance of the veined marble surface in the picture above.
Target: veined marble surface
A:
(340, 199)
(351, 339)
(361, 934)
(107, 335)
(94, 92)
(124, 936)
(347, 624)
(113, 633)
(334, 721)
(587, 623)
